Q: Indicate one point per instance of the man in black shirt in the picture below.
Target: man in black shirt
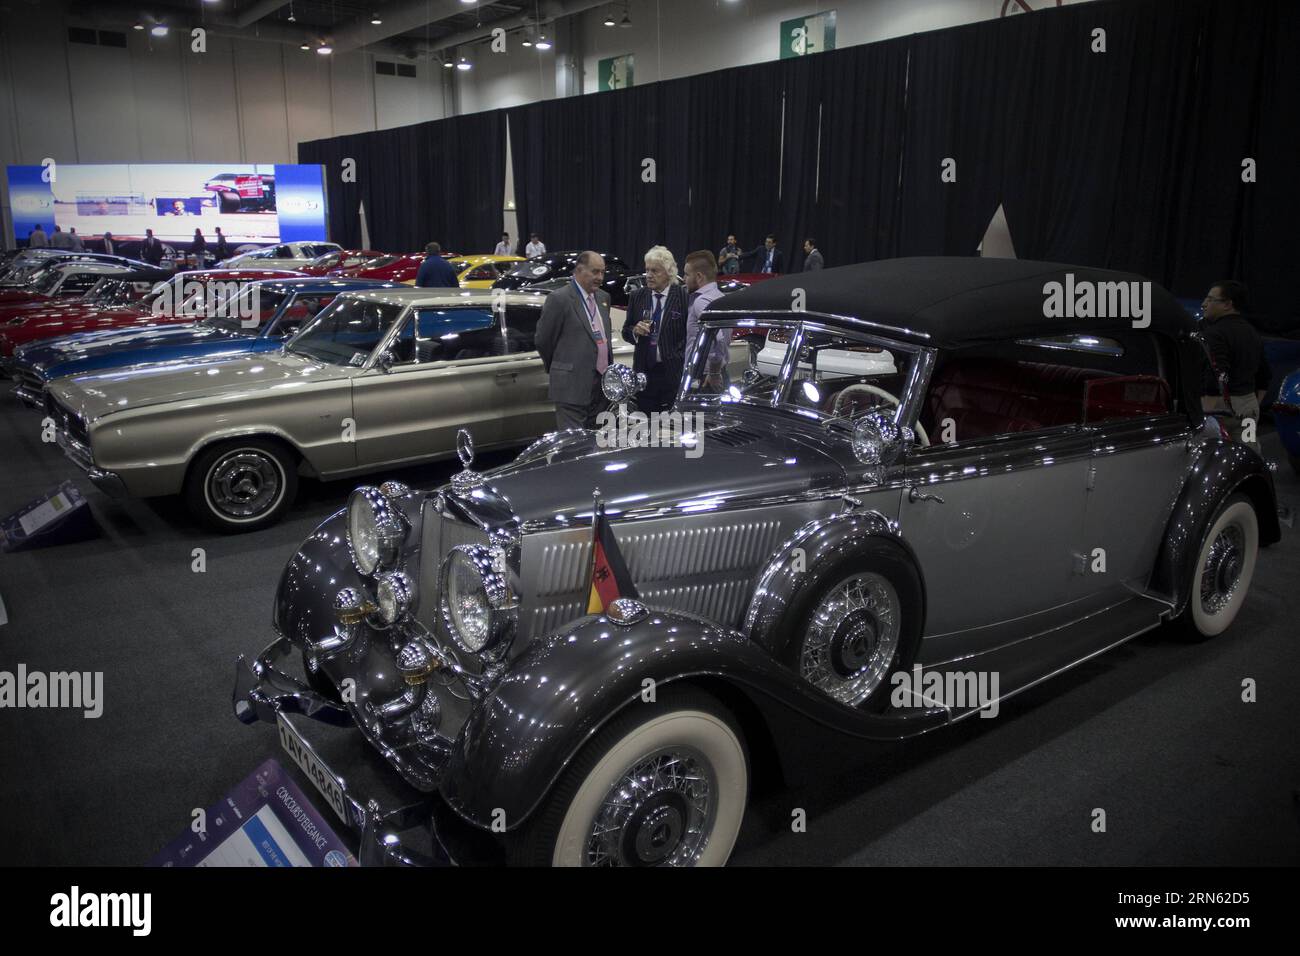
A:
(1239, 376)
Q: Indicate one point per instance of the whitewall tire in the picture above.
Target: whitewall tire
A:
(1225, 565)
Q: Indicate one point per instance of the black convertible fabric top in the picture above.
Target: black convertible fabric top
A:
(954, 301)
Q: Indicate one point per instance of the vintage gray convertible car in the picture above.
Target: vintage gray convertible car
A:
(377, 378)
(1008, 496)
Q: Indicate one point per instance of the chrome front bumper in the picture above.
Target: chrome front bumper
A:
(397, 824)
(106, 481)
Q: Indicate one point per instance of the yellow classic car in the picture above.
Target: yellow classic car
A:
(479, 272)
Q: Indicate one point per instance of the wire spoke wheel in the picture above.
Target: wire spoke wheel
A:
(659, 813)
(852, 638)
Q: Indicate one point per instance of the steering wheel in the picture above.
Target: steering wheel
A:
(923, 440)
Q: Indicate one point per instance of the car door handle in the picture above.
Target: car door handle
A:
(915, 494)
(506, 376)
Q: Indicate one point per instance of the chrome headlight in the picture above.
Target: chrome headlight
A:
(393, 596)
(477, 605)
(376, 530)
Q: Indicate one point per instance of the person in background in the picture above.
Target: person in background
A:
(656, 325)
(77, 244)
(60, 239)
(1239, 374)
(435, 271)
(812, 257)
(767, 257)
(178, 208)
(729, 257)
(535, 246)
(573, 339)
(702, 284)
(37, 239)
(151, 250)
(221, 250)
(198, 249)
(503, 247)
(108, 243)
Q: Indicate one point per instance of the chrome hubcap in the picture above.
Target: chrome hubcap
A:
(1222, 571)
(243, 484)
(852, 639)
(659, 813)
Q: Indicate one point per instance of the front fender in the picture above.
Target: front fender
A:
(826, 540)
(564, 688)
(1220, 469)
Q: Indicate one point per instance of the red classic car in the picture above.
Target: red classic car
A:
(332, 263)
(120, 301)
(392, 267)
(60, 280)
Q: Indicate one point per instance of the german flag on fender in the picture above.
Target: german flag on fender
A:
(609, 578)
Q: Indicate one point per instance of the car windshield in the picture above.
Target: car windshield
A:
(111, 291)
(45, 280)
(346, 331)
(248, 310)
(837, 375)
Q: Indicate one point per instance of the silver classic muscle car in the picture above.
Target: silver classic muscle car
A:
(1010, 486)
(377, 378)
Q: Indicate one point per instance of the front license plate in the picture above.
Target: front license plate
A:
(330, 787)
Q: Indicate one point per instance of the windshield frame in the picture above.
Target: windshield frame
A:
(341, 299)
(921, 361)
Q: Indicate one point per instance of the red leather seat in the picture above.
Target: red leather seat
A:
(990, 396)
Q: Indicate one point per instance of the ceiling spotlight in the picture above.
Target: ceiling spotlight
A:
(159, 30)
(137, 26)
(464, 64)
(626, 21)
(609, 20)
(324, 50)
(528, 40)
(543, 43)
(374, 19)
(305, 46)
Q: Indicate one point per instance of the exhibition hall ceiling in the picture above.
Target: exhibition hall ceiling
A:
(405, 20)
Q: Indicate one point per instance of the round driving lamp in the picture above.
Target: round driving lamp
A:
(350, 606)
(868, 443)
(618, 383)
(476, 604)
(393, 596)
(376, 530)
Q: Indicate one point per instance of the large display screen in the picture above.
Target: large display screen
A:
(251, 202)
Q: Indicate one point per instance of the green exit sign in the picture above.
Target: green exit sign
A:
(811, 34)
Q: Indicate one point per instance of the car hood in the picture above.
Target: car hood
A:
(743, 458)
(225, 378)
(86, 345)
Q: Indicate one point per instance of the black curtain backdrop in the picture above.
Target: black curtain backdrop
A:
(439, 181)
(1128, 159)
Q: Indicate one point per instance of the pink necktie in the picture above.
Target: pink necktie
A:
(602, 360)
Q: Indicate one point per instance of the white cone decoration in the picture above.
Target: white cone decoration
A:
(365, 230)
(996, 243)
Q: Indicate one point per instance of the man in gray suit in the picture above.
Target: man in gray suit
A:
(573, 338)
(812, 257)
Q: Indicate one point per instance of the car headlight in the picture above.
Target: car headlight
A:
(393, 596)
(376, 530)
(477, 605)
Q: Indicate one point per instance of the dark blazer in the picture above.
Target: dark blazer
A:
(568, 346)
(151, 251)
(672, 329)
(436, 273)
(758, 256)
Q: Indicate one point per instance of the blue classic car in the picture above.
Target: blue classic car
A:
(259, 320)
(1286, 416)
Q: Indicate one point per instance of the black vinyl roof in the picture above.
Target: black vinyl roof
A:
(953, 301)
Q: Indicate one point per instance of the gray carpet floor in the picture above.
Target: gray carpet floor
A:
(1154, 733)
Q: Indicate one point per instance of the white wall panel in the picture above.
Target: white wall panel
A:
(213, 116)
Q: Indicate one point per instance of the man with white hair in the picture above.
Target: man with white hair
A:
(656, 325)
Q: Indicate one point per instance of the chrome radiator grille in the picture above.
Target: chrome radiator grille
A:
(703, 565)
(65, 419)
